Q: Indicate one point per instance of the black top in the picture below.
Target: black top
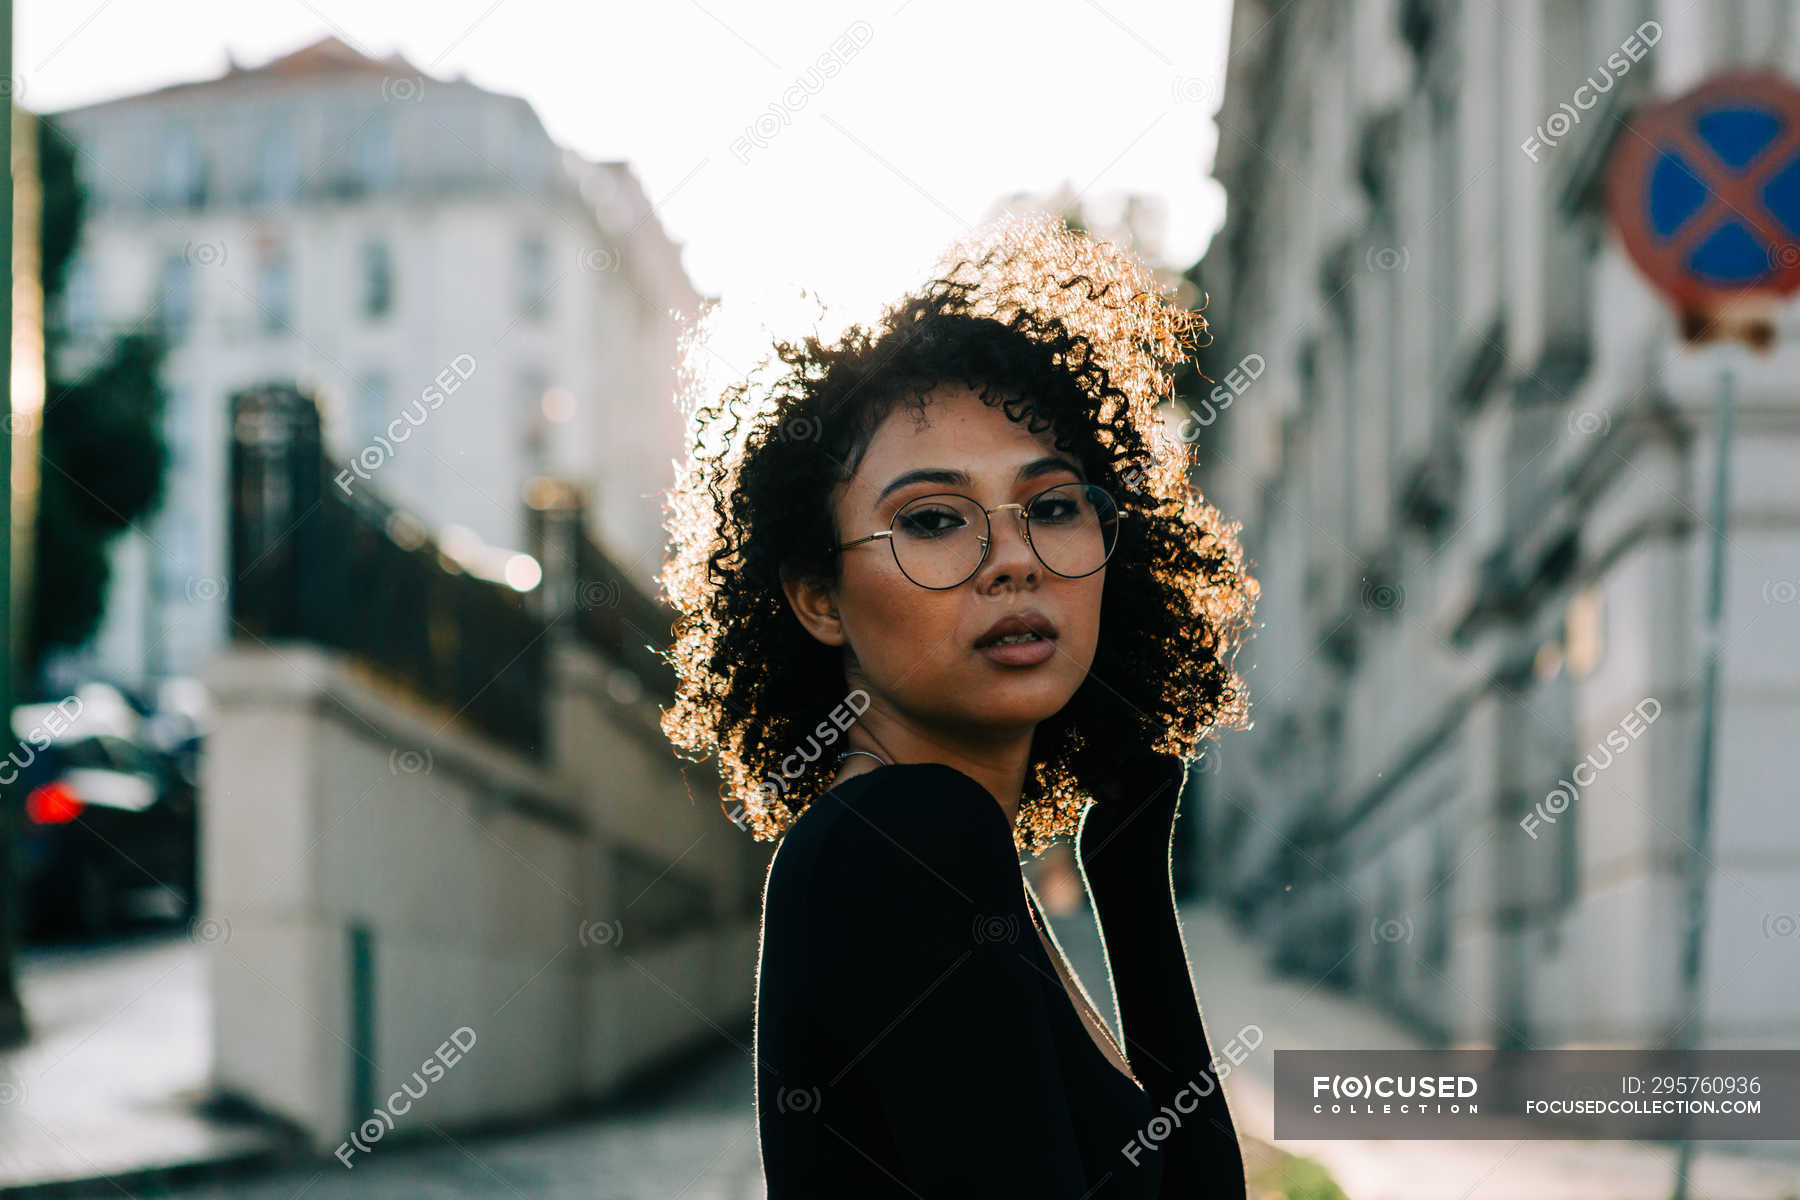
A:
(913, 1038)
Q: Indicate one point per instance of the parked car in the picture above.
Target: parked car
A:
(108, 836)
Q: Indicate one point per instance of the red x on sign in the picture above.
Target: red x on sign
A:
(1705, 191)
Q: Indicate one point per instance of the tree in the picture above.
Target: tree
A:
(101, 461)
(103, 455)
(103, 464)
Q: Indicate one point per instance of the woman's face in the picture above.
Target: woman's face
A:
(915, 649)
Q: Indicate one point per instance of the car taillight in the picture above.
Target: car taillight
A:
(53, 804)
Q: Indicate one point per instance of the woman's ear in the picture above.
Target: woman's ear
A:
(815, 605)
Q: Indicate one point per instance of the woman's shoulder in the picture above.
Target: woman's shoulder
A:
(897, 822)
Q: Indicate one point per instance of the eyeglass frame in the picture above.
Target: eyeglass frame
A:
(1024, 519)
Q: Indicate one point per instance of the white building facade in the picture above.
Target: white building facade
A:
(472, 305)
(1475, 478)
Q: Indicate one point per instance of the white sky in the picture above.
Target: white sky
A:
(946, 107)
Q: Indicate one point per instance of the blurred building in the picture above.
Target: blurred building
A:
(1473, 462)
(472, 304)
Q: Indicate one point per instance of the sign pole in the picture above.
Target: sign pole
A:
(1689, 1033)
(1695, 193)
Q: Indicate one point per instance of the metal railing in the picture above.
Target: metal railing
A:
(313, 562)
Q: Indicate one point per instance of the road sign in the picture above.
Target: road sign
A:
(1705, 192)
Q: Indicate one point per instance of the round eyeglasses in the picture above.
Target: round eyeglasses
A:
(939, 541)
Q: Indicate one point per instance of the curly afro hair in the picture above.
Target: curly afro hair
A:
(1069, 335)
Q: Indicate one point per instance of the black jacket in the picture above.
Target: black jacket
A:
(914, 1039)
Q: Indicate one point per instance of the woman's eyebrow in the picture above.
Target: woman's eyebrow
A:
(1048, 465)
(925, 475)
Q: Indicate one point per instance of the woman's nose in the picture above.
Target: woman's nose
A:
(1009, 544)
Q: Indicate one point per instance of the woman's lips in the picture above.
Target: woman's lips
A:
(1019, 654)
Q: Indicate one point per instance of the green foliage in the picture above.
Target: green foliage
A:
(64, 207)
(102, 454)
(1304, 1179)
(102, 434)
(69, 587)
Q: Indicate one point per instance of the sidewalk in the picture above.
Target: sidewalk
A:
(111, 1082)
(1236, 990)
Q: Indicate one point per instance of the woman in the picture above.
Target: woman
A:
(945, 591)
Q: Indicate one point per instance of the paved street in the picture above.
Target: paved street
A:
(1236, 990)
(121, 1056)
(694, 1141)
(117, 1060)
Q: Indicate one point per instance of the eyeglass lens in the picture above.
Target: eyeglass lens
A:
(938, 539)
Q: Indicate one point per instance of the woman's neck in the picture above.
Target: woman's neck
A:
(997, 766)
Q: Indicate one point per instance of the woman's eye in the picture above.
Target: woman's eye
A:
(930, 522)
(1054, 511)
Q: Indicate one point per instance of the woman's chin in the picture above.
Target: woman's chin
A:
(1021, 702)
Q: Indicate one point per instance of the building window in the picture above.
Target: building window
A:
(182, 171)
(274, 292)
(178, 431)
(377, 275)
(174, 297)
(1445, 263)
(358, 153)
(81, 299)
(533, 385)
(532, 156)
(277, 165)
(374, 154)
(1440, 912)
(533, 279)
(373, 407)
(179, 542)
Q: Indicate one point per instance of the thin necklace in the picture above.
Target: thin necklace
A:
(846, 754)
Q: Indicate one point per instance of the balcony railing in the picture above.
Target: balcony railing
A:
(351, 572)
